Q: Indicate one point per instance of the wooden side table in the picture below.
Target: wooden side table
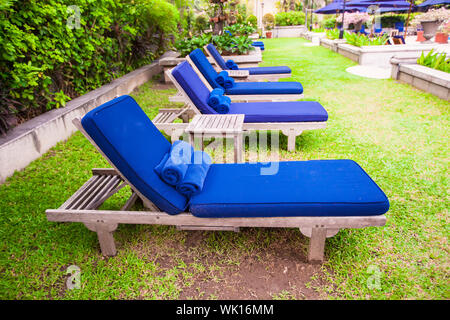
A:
(223, 125)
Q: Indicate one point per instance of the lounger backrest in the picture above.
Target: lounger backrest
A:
(193, 86)
(135, 146)
(201, 62)
(217, 56)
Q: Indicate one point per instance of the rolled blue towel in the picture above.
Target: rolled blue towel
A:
(221, 77)
(223, 106)
(176, 163)
(218, 91)
(195, 176)
(231, 65)
(214, 97)
(228, 83)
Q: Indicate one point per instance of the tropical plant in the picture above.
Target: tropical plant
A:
(268, 21)
(435, 60)
(360, 40)
(225, 43)
(188, 44)
(241, 29)
(333, 34)
(318, 30)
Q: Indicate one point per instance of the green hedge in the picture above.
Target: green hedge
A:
(290, 18)
(44, 63)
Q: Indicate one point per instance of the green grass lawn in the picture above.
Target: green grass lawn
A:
(398, 134)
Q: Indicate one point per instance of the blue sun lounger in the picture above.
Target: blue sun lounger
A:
(290, 117)
(318, 197)
(206, 71)
(255, 73)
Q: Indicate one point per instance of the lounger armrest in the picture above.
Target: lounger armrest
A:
(238, 73)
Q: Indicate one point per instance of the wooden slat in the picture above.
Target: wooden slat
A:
(91, 192)
(79, 192)
(83, 195)
(93, 203)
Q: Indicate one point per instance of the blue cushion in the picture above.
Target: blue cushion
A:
(194, 87)
(300, 188)
(135, 146)
(267, 70)
(291, 111)
(217, 56)
(247, 88)
(203, 65)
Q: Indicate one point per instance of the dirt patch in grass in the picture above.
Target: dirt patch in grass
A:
(214, 265)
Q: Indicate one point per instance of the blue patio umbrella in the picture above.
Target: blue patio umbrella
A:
(337, 7)
(394, 5)
(429, 3)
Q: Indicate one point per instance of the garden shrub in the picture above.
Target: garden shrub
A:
(225, 43)
(329, 23)
(252, 20)
(268, 21)
(290, 18)
(44, 62)
(389, 20)
(201, 23)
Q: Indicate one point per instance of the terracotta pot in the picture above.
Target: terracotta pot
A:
(441, 37)
(429, 29)
(269, 34)
(420, 36)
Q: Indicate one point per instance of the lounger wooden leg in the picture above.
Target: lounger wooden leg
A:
(105, 236)
(291, 134)
(317, 245)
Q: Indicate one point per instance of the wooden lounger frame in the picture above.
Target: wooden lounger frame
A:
(83, 204)
(246, 76)
(289, 129)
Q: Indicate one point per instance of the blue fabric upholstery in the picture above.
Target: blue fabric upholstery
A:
(217, 56)
(255, 70)
(289, 111)
(250, 88)
(194, 87)
(292, 111)
(203, 65)
(300, 188)
(243, 88)
(135, 146)
(267, 70)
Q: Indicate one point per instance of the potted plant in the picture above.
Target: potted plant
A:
(430, 21)
(268, 22)
(442, 34)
